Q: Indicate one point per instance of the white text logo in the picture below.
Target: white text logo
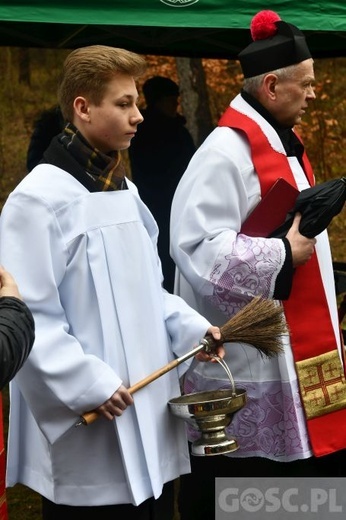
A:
(179, 3)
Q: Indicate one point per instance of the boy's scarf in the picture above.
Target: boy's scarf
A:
(107, 171)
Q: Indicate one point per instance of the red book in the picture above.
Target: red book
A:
(271, 211)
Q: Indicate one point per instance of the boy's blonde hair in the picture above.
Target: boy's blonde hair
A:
(86, 72)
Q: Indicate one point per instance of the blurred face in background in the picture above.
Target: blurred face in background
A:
(168, 105)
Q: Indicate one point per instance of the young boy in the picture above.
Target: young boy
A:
(82, 246)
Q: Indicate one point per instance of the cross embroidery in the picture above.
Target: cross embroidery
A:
(322, 383)
(331, 370)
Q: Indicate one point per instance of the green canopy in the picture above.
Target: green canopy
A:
(200, 28)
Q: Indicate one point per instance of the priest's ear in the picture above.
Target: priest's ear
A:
(269, 86)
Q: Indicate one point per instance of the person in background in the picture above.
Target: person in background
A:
(296, 401)
(159, 155)
(17, 329)
(92, 278)
(49, 123)
(17, 334)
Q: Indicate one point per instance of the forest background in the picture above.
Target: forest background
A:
(28, 85)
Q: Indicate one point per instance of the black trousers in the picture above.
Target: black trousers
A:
(151, 509)
(197, 489)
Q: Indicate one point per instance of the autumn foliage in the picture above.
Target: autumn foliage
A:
(29, 79)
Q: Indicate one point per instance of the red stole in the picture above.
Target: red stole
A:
(319, 370)
(3, 503)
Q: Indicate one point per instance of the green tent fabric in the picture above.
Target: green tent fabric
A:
(200, 28)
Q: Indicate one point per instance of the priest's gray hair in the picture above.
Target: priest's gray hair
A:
(252, 85)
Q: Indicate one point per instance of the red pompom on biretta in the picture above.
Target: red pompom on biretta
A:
(275, 44)
(263, 25)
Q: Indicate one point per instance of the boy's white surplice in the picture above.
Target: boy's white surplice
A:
(87, 266)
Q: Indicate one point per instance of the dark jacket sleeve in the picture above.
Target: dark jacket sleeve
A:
(284, 280)
(17, 334)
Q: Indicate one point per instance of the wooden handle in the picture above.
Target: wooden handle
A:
(154, 375)
(90, 417)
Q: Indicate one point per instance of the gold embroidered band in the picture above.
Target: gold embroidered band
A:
(322, 384)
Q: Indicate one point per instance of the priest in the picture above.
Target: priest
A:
(291, 425)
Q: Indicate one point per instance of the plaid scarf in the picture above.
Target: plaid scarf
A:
(107, 171)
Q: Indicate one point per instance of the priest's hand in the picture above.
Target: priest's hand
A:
(116, 404)
(302, 248)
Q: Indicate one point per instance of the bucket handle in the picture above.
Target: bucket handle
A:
(224, 365)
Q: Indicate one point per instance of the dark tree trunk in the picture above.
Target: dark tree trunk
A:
(194, 97)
